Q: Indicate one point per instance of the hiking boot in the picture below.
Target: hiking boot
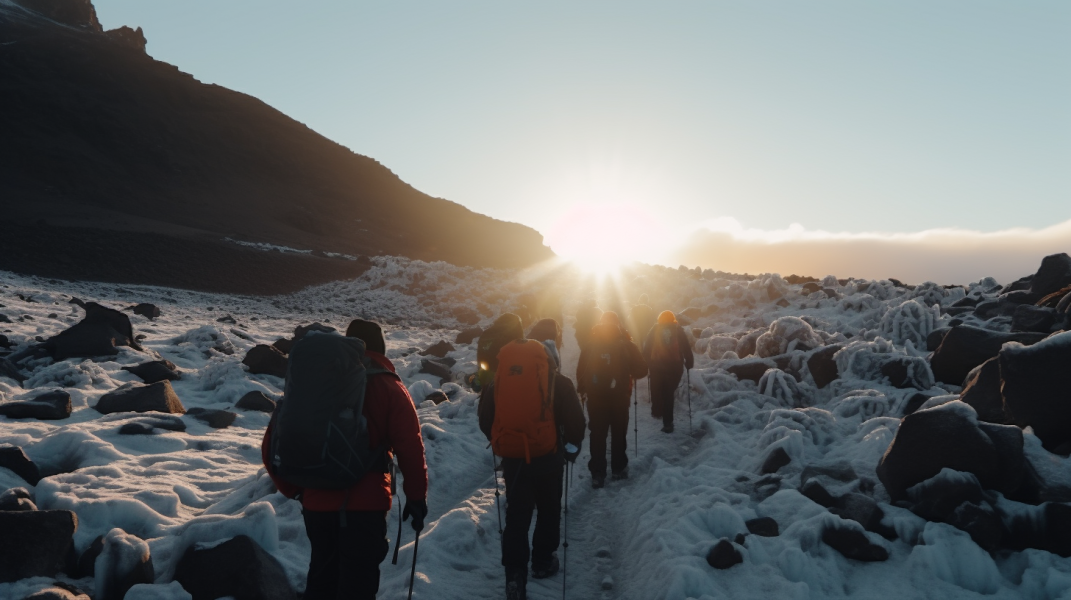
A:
(667, 428)
(516, 583)
(597, 481)
(544, 569)
(619, 475)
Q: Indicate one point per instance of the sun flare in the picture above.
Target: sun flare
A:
(600, 239)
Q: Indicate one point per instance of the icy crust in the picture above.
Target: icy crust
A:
(647, 537)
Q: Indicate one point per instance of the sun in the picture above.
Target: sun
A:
(602, 238)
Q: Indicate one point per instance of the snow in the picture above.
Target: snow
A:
(644, 537)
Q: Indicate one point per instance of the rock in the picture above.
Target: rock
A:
(301, 330)
(982, 392)
(1037, 319)
(1053, 299)
(981, 522)
(466, 315)
(905, 372)
(763, 526)
(1035, 384)
(467, 336)
(256, 400)
(55, 592)
(265, 360)
(132, 38)
(136, 428)
(914, 403)
(440, 349)
(124, 562)
(746, 346)
(438, 397)
(854, 544)
(50, 406)
(436, 368)
(283, 345)
(1057, 537)
(9, 370)
(76, 13)
(817, 493)
(5, 343)
(214, 418)
(964, 348)
(822, 366)
(774, 461)
(227, 319)
(1011, 460)
(100, 333)
(752, 369)
(1053, 274)
(149, 311)
(935, 337)
(1064, 306)
(44, 539)
(724, 555)
(810, 287)
(14, 459)
(154, 371)
(863, 510)
(87, 563)
(134, 397)
(238, 567)
(692, 313)
(17, 499)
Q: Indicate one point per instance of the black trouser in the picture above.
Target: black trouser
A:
(608, 415)
(534, 486)
(664, 384)
(345, 560)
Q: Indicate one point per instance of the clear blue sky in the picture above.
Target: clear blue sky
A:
(838, 115)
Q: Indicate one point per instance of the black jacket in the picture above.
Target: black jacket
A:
(568, 415)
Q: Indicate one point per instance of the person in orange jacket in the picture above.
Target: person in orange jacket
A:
(348, 528)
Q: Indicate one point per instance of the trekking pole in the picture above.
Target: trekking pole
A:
(565, 537)
(636, 416)
(412, 573)
(494, 470)
(688, 382)
(394, 493)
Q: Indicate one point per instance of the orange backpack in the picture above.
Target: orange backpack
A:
(524, 402)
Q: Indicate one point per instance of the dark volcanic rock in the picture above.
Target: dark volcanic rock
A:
(238, 567)
(914, 403)
(982, 392)
(964, 348)
(50, 406)
(265, 360)
(751, 369)
(214, 418)
(724, 555)
(154, 371)
(440, 349)
(774, 461)
(256, 400)
(853, 544)
(1038, 319)
(1036, 383)
(87, 562)
(935, 337)
(1008, 441)
(133, 397)
(13, 458)
(943, 437)
(44, 541)
(132, 38)
(283, 345)
(1053, 274)
(9, 370)
(822, 366)
(301, 330)
(467, 336)
(76, 13)
(763, 527)
(438, 397)
(438, 368)
(907, 372)
(16, 499)
(817, 493)
(862, 509)
(98, 334)
(136, 428)
(149, 311)
(145, 426)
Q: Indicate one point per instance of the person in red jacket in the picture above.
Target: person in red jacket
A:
(348, 528)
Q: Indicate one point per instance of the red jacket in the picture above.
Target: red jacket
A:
(392, 419)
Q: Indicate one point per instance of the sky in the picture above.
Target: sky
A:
(696, 131)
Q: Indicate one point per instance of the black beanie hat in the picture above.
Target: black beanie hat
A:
(546, 330)
(368, 332)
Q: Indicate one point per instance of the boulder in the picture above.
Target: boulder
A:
(100, 333)
(853, 543)
(466, 315)
(763, 527)
(822, 366)
(776, 459)
(283, 345)
(914, 403)
(9, 370)
(149, 311)
(1037, 319)
(467, 336)
(5, 343)
(154, 371)
(301, 330)
(135, 397)
(752, 369)
(17, 499)
(935, 337)
(1035, 383)
(1057, 536)
(863, 510)
(813, 490)
(982, 392)
(746, 346)
(44, 540)
(439, 349)
(124, 562)
(438, 397)
(214, 418)
(256, 400)
(14, 459)
(724, 555)
(238, 567)
(265, 360)
(1053, 274)
(810, 287)
(145, 426)
(437, 368)
(50, 406)
(87, 562)
(905, 372)
(964, 348)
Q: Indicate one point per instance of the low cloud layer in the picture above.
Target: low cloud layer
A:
(941, 255)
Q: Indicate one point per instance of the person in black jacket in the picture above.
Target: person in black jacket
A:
(536, 485)
(668, 351)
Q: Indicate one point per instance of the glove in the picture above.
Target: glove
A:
(418, 509)
(571, 452)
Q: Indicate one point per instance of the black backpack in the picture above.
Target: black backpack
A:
(605, 358)
(319, 434)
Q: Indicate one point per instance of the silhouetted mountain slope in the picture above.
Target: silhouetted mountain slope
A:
(98, 135)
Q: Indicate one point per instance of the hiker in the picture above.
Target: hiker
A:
(640, 319)
(505, 329)
(668, 352)
(587, 315)
(534, 444)
(346, 515)
(608, 367)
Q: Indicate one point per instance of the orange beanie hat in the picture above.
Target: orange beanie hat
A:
(666, 318)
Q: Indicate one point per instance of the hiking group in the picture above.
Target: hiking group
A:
(346, 416)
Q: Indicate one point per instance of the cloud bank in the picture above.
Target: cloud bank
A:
(941, 255)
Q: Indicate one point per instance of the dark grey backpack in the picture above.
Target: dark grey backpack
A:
(319, 434)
